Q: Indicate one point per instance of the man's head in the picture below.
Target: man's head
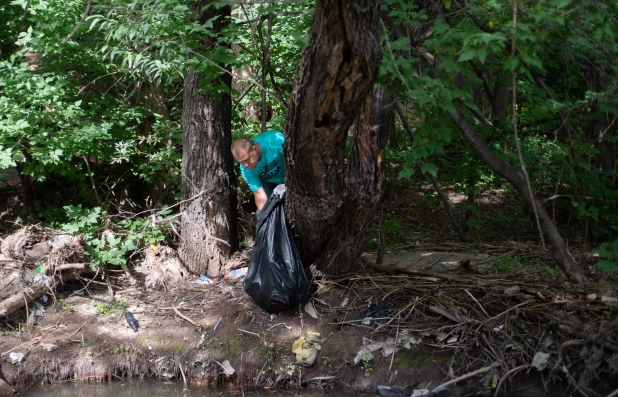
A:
(246, 152)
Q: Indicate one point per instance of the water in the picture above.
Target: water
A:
(156, 389)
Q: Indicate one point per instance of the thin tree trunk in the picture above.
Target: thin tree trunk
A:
(209, 229)
(434, 181)
(558, 247)
(336, 72)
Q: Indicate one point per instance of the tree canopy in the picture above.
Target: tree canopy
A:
(92, 95)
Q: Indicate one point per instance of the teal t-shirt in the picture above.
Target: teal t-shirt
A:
(270, 167)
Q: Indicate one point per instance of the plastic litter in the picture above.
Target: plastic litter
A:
(510, 291)
(236, 274)
(16, 357)
(44, 298)
(206, 279)
(306, 348)
(131, 320)
(384, 390)
(227, 367)
(540, 361)
(376, 315)
(310, 310)
(276, 279)
(50, 347)
(217, 324)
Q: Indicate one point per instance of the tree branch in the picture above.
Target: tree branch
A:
(83, 18)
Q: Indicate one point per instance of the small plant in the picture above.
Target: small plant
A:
(367, 368)
(64, 307)
(609, 252)
(103, 308)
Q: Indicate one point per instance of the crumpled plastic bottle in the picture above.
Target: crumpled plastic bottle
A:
(236, 274)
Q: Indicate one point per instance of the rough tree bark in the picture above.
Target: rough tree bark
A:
(209, 229)
(558, 247)
(336, 72)
(364, 184)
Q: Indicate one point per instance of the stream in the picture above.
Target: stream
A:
(147, 388)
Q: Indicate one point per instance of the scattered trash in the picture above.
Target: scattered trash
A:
(206, 279)
(16, 357)
(384, 390)
(363, 354)
(306, 348)
(217, 324)
(276, 279)
(313, 337)
(201, 342)
(131, 320)
(202, 282)
(498, 328)
(236, 274)
(310, 310)
(512, 290)
(388, 347)
(540, 361)
(273, 316)
(375, 315)
(36, 310)
(44, 298)
(439, 391)
(227, 367)
(345, 302)
(50, 347)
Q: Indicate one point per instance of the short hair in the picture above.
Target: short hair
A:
(240, 145)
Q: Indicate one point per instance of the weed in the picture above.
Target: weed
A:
(367, 368)
(65, 308)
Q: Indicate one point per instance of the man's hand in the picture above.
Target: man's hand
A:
(260, 198)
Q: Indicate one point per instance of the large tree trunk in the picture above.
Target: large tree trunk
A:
(558, 247)
(209, 229)
(336, 72)
(365, 183)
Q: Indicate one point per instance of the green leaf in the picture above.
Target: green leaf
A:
(467, 54)
(607, 266)
(429, 168)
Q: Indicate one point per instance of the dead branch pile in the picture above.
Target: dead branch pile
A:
(60, 256)
(506, 323)
(161, 266)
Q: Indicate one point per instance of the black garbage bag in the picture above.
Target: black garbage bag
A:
(275, 280)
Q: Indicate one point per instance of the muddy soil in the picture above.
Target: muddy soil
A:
(89, 339)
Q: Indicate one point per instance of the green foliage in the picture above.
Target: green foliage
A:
(108, 243)
(609, 253)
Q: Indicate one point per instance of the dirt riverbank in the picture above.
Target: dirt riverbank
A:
(455, 318)
(89, 339)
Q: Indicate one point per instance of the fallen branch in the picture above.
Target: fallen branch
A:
(411, 272)
(63, 274)
(184, 317)
(506, 375)
(470, 375)
(249, 333)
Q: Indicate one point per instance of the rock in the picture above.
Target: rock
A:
(5, 389)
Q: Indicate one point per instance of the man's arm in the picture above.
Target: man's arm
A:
(260, 198)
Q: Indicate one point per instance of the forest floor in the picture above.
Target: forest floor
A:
(471, 316)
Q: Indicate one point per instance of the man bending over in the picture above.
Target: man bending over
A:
(261, 163)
